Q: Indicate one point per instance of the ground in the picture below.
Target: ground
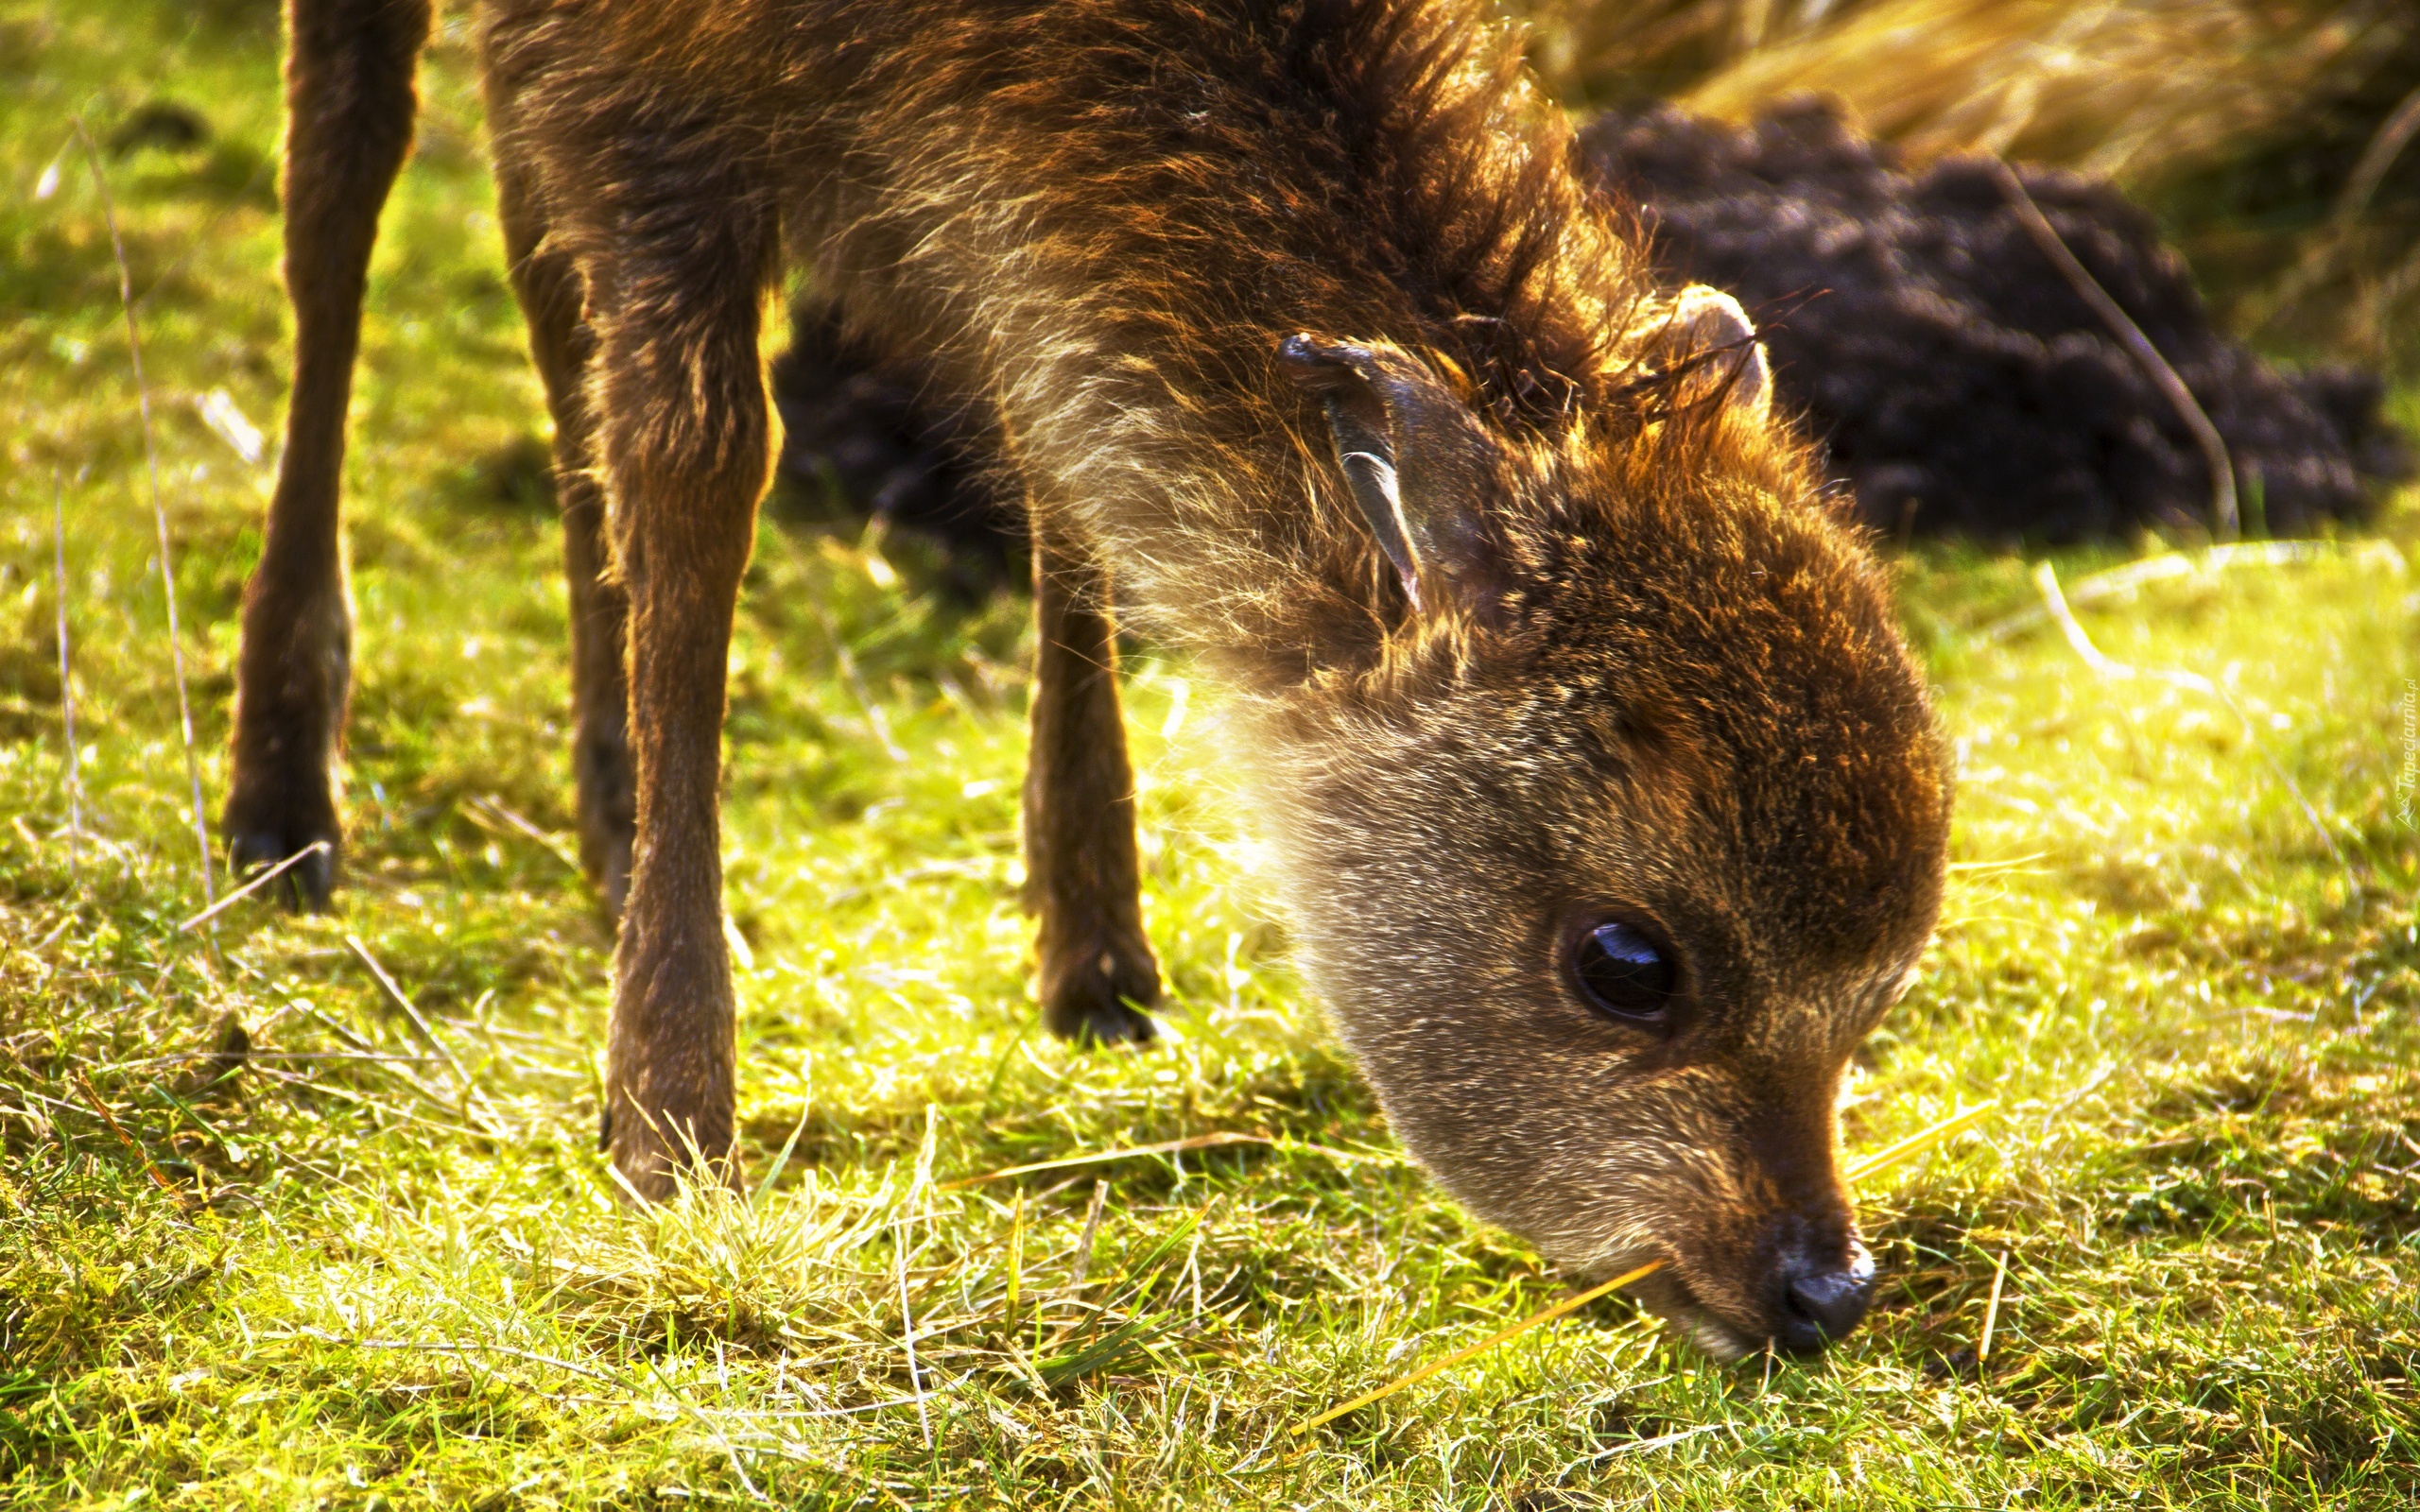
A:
(347, 1268)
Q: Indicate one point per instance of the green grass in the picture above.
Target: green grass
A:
(333, 1279)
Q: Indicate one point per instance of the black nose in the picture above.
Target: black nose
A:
(1823, 1302)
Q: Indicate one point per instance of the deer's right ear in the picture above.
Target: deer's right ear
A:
(1418, 464)
(1708, 320)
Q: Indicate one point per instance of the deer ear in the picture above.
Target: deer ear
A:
(1706, 320)
(1418, 464)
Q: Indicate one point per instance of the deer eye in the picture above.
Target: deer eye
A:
(1623, 973)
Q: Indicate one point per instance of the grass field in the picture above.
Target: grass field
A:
(2179, 949)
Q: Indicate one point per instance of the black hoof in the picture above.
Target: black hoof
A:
(1106, 1024)
(1098, 1001)
(303, 886)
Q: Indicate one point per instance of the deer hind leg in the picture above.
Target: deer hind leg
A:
(684, 436)
(1083, 878)
(349, 124)
(562, 343)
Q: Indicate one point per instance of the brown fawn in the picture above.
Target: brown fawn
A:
(1609, 806)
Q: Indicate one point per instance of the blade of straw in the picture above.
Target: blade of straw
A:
(150, 1167)
(481, 1114)
(1567, 1305)
(2224, 523)
(1992, 1313)
(262, 880)
(1016, 1265)
(1891, 1155)
(1198, 1142)
(159, 513)
(1881, 1159)
(782, 1160)
(66, 683)
(2054, 602)
(907, 1318)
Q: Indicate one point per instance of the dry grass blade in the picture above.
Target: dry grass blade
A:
(1198, 1142)
(2170, 566)
(261, 880)
(158, 511)
(505, 1350)
(907, 1333)
(2394, 134)
(1568, 1305)
(490, 814)
(847, 661)
(2223, 522)
(907, 1318)
(1923, 1139)
(66, 683)
(150, 1167)
(481, 1114)
(781, 1161)
(1091, 1236)
(2054, 602)
(1016, 1265)
(1991, 1310)
(1881, 1159)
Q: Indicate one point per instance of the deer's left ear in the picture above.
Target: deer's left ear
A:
(1708, 321)
(1420, 466)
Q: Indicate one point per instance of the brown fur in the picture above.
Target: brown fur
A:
(1528, 612)
(1083, 880)
(349, 97)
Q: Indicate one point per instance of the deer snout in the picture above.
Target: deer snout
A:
(1822, 1297)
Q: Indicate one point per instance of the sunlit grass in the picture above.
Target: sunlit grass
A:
(2179, 949)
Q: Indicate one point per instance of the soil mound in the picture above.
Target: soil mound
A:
(1961, 383)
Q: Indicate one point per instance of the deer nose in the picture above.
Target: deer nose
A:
(1823, 1302)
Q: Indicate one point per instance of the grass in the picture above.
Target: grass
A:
(2180, 950)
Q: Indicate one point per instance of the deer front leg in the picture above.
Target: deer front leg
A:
(1082, 876)
(683, 433)
(349, 124)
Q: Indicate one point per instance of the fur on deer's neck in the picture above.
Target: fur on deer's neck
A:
(1106, 216)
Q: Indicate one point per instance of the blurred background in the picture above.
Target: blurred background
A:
(2269, 137)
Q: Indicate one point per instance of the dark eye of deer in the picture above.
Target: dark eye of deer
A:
(1623, 973)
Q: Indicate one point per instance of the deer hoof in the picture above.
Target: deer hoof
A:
(305, 884)
(1097, 997)
(653, 1169)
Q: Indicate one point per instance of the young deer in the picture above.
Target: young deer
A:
(1609, 804)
